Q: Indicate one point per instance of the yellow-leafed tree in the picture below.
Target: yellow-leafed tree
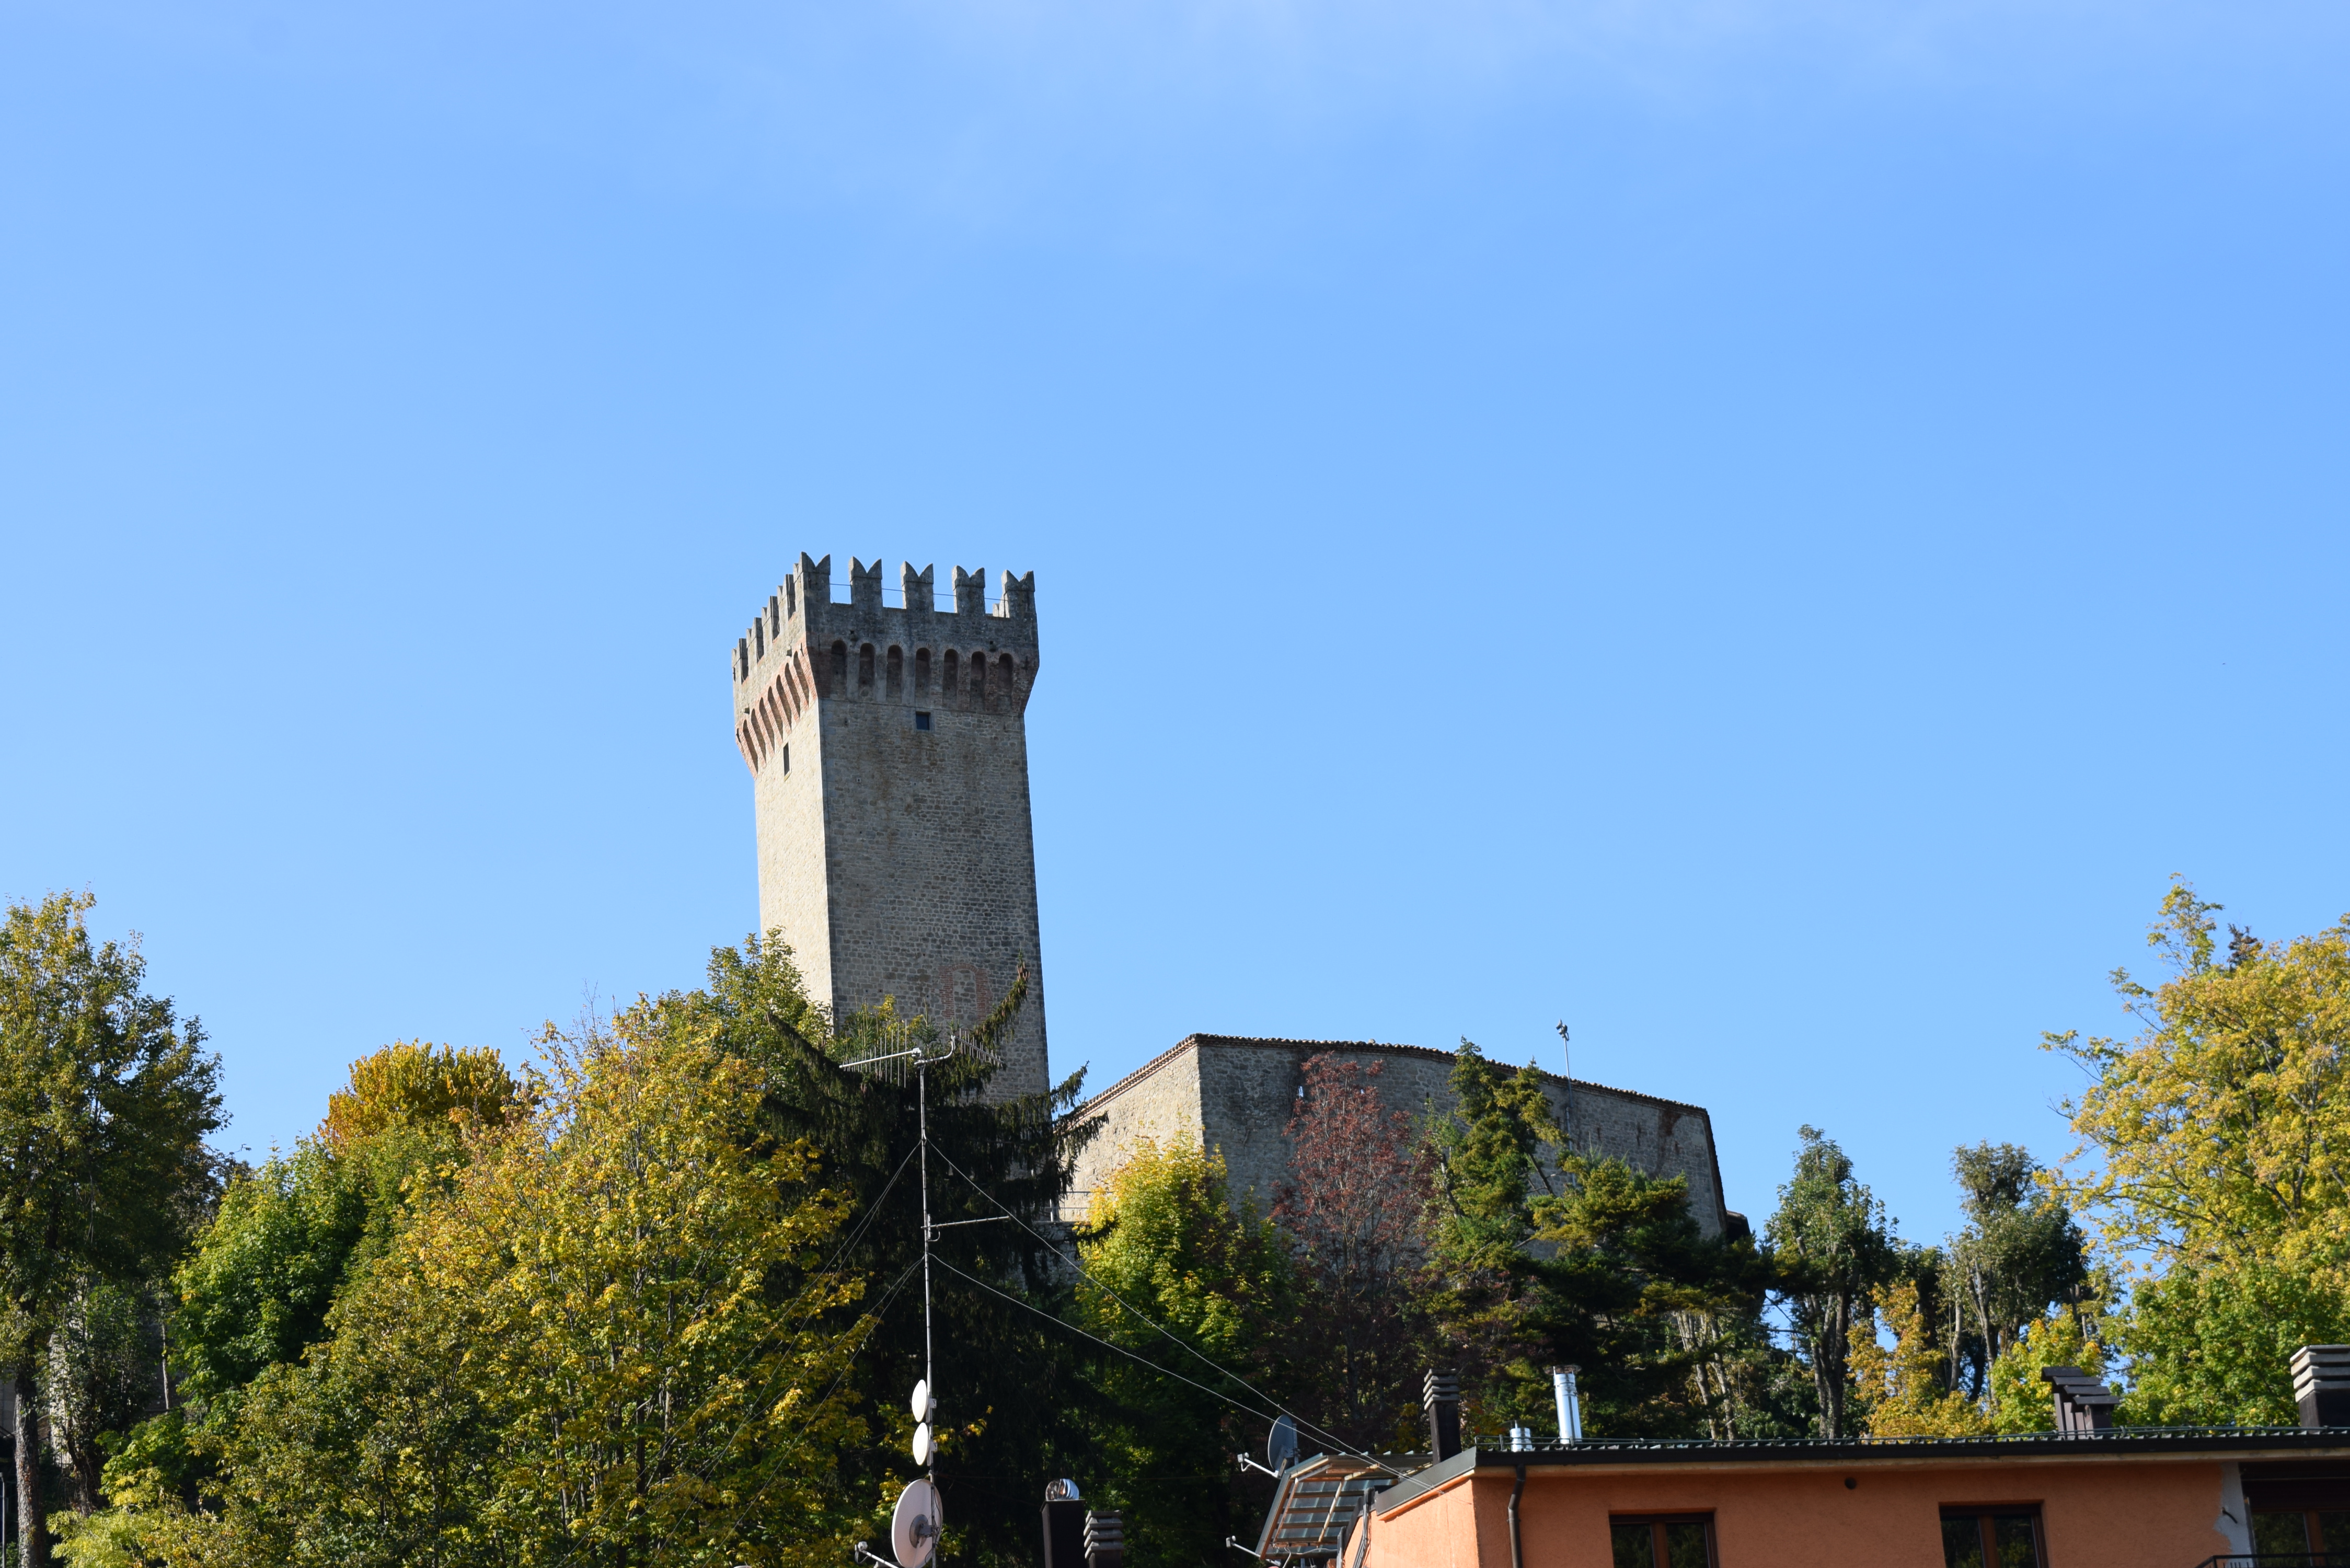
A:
(2219, 1138)
(1900, 1388)
(597, 1345)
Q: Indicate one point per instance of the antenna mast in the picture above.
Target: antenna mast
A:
(922, 1115)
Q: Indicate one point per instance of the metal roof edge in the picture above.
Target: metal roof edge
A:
(2119, 1443)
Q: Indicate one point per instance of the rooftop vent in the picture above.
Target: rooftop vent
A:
(2084, 1404)
(2321, 1384)
(1105, 1540)
(1441, 1394)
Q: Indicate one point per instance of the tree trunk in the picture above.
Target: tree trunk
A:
(32, 1528)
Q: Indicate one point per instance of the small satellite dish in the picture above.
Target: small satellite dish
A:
(921, 1401)
(1281, 1448)
(922, 1444)
(914, 1524)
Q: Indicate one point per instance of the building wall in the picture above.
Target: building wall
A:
(898, 861)
(1237, 1097)
(2122, 1513)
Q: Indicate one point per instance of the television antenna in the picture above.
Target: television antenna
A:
(914, 1523)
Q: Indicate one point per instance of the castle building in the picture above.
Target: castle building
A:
(1237, 1097)
(888, 753)
(888, 746)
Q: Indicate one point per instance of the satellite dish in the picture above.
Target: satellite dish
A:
(1281, 1448)
(922, 1400)
(914, 1524)
(922, 1444)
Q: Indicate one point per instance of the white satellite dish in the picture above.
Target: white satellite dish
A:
(922, 1400)
(914, 1524)
(922, 1444)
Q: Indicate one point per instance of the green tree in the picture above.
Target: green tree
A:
(106, 1096)
(288, 1237)
(2215, 1147)
(1163, 1239)
(597, 1345)
(2020, 1253)
(1833, 1248)
(102, 1367)
(1015, 1401)
(1621, 1278)
(1487, 1153)
(1539, 1256)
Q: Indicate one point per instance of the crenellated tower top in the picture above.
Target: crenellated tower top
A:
(803, 648)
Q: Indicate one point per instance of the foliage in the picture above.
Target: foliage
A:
(102, 1367)
(104, 1100)
(258, 1286)
(2020, 1399)
(1541, 1257)
(409, 1084)
(1480, 1222)
(1352, 1216)
(2215, 1145)
(2019, 1252)
(1623, 1270)
(1163, 1239)
(287, 1238)
(1899, 1391)
(1014, 1404)
(1833, 1249)
(589, 1346)
(2211, 1343)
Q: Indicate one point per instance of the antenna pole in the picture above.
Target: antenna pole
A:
(923, 1112)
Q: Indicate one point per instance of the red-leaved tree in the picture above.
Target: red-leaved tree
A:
(1354, 1212)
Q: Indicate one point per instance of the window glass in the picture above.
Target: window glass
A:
(2011, 1538)
(1685, 1544)
(1634, 1546)
(1990, 1538)
(2335, 1530)
(2280, 1532)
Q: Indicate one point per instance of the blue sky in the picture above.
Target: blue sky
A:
(1767, 531)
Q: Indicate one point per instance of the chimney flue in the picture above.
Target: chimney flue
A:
(2321, 1384)
(1105, 1540)
(1570, 1403)
(1441, 1394)
(2084, 1404)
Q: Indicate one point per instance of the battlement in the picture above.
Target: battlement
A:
(803, 650)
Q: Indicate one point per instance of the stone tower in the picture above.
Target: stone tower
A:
(888, 754)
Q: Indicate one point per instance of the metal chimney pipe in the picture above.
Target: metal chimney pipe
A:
(1570, 1408)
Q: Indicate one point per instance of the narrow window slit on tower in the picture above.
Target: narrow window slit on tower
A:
(897, 673)
(921, 673)
(840, 669)
(948, 685)
(786, 755)
(865, 666)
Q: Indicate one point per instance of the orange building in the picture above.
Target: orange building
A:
(2118, 1498)
(2088, 1495)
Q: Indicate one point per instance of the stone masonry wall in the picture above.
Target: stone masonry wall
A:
(1237, 1095)
(897, 860)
